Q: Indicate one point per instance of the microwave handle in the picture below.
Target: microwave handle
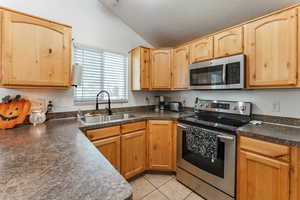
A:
(224, 74)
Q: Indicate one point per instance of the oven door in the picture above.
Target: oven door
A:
(221, 173)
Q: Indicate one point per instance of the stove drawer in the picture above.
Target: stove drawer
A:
(272, 150)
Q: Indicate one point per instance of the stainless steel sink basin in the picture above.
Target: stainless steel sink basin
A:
(100, 118)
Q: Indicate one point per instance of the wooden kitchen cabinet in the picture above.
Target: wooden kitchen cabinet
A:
(133, 157)
(271, 50)
(140, 67)
(110, 148)
(36, 52)
(161, 145)
(262, 173)
(180, 67)
(161, 69)
(202, 49)
(229, 42)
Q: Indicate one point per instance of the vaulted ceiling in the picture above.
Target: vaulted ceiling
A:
(166, 23)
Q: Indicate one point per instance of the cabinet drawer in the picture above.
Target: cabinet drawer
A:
(272, 150)
(103, 133)
(126, 128)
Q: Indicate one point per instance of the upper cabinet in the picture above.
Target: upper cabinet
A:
(202, 49)
(229, 42)
(270, 43)
(161, 69)
(180, 67)
(140, 66)
(36, 52)
(271, 50)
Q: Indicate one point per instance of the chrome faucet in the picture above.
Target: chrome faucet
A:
(109, 102)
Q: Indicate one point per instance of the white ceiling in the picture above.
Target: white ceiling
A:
(172, 22)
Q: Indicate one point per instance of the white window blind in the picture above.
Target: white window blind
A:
(101, 70)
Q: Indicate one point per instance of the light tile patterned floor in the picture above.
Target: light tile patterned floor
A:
(161, 187)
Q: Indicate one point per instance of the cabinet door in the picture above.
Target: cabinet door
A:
(202, 49)
(140, 66)
(145, 68)
(160, 147)
(161, 69)
(133, 158)
(135, 68)
(260, 178)
(110, 148)
(271, 50)
(36, 52)
(180, 67)
(228, 42)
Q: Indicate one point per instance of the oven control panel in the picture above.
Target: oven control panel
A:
(233, 107)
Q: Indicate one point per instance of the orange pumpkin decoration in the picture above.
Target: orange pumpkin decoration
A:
(13, 113)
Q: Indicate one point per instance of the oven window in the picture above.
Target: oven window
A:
(207, 76)
(233, 71)
(216, 167)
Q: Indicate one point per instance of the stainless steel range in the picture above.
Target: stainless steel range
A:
(212, 179)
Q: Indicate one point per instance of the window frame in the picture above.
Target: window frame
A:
(101, 101)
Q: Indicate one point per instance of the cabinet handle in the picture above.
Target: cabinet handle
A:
(187, 57)
(50, 51)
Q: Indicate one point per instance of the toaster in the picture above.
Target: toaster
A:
(174, 106)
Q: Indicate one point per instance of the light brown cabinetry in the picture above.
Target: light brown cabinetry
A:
(229, 42)
(161, 145)
(110, 148)
(263, 170)
(180, 67)
(127, 153)
(161, 69)
(36, 52)
(101, 133)
(140, 66)
(271, 50)
(202, 49)
(135, 147)
(133, 157)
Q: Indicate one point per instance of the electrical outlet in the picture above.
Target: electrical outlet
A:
(276, 106)
(184, 102)
(147, 100)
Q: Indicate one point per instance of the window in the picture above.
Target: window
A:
(101, 70)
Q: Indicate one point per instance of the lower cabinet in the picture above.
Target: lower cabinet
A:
(262, 173)
(135, 147)
(110, 148)
(161, 145)
(133, 156)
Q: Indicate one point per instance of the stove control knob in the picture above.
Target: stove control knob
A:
(206, 105)
(235, 108)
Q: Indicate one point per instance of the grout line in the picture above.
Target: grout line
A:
(188, 196)
(160, 185)
(148, 194)
(157, 188)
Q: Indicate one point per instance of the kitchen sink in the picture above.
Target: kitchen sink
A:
(101, 118)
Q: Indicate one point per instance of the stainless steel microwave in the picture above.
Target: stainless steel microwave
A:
(223, 73)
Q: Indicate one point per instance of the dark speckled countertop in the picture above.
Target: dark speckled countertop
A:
(277, 133)
(55, 160)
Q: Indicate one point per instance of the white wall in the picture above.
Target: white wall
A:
(93, 25)
(263, 100)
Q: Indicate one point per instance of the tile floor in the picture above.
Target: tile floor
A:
(161, 187)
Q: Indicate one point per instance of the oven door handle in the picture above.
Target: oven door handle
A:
(225, 137)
